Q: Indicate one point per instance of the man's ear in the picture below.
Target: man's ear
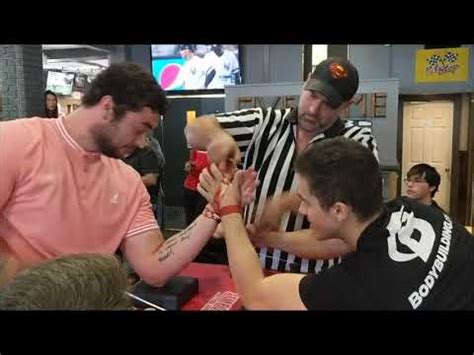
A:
(340, 211)
(106, 103)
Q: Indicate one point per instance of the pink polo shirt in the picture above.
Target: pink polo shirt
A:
(58, 199)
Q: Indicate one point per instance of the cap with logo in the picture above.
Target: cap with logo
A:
(336, 78)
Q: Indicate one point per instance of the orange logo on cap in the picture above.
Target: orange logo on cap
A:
(337, 71)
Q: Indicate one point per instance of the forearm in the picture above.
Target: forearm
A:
(181, 249)
(306, 244)
(243, 260)
(289, 201)
(150, 179)
(202, 131)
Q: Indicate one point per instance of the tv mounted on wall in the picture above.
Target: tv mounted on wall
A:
(60, 83)
(196, 68)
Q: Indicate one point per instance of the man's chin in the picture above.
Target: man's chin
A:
(308, 126)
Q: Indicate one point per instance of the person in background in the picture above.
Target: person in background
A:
(158, 150)
(422, 184)
(194, 203)
(149, 164)
(195, 73)
(226, 65)
(51, 109)
(214, 251)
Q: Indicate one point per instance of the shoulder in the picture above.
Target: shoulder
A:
(25, 132)
(352, 131)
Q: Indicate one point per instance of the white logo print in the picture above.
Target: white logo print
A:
(114, 198)
(402, 225)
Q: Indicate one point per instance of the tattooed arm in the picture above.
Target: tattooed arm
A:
(156, 260)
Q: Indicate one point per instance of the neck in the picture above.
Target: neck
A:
(303, 139)
(426, 201)
(304, 136)
(78, 125)
(354, 228)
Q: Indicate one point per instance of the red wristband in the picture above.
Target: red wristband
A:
(210, 214)
(229, 209)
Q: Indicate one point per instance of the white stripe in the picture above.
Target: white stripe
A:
(258, 138)
(350, 131)
(319, 265)
(256, 141)
(236, 117)
(299, 222)
(304, 265)
(244, 143)
(263, 256)
(317, 138)
(273, 143)
(363, 138)
(240, 130)
(141, 230)
(289, 261)
(66, 136)
(276, 259)
(278, 151)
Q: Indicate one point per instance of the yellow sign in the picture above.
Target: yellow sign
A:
(442, 65)
(190, 116)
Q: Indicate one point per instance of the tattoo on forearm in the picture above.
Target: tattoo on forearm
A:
(167, 248)
(165, 254)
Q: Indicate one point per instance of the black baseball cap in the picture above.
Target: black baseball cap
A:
(336, 78)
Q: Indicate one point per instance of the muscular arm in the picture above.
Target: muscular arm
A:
(278, 292)
(156, 260)
(305, 243)
(274, 209)
(205, 133)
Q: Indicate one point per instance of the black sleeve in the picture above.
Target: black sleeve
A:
(333, 289)
(149, 163)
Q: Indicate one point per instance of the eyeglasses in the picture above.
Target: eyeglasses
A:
(416, 180)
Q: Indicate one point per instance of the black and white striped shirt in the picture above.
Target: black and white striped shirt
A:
(267, 141)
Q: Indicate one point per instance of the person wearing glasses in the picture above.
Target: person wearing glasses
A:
(423, 182)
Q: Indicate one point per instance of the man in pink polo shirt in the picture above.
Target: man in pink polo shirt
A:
(64, 189)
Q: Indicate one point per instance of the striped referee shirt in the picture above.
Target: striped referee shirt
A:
(267, 141)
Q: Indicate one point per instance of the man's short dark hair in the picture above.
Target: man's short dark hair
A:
(342, 170)
(131, 87)
(76, 282)
(428, 173)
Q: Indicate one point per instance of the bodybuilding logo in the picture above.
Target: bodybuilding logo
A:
(414, 233)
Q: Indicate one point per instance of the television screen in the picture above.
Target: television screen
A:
(183, 67)
(60, 83)
(81, 82)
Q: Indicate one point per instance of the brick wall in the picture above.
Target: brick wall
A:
(21, 81)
